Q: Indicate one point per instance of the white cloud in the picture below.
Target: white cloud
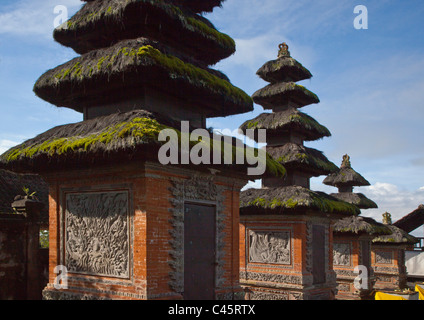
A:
(6, 145)
(390, 198)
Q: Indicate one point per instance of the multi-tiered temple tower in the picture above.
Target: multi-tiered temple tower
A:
(123, 224)
(285, 231)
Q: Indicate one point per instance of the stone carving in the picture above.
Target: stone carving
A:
(269, 247)
(272, 277)
(341, 254)
(383, 257)
(200, 188)
(97, 234)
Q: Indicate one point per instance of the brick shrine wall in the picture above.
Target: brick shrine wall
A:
(150, 268)
(290, 280)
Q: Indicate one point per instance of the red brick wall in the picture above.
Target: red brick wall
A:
(150, 194)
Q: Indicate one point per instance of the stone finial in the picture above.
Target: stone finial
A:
(284, 50)
(346, 162)
(387, 218)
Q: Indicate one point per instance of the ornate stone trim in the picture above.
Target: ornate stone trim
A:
(271, 277)
(200, 189)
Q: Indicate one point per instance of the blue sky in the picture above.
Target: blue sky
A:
(370, 82)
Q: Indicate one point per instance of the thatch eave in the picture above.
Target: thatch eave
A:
(346, 176)
(291, 200)
(284, 69)
(360, 225)
(357, 199)
(194, 5)
(100, 24)
(117, 137)
(283, 93)
(125, 69)
(284, 122)
(294, 156)
(397, 237)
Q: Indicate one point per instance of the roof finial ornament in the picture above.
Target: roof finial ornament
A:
(387, 218)
(284, 50)
(346, 162)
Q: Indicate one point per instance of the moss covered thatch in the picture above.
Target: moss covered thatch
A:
(291, 200)
(358, 199)
(100, 24)
(301, 158)
(283, 122)
(397, 236)
(280, 94)
(121, 135)
(194, 5)
(199, 6)
(357, 225)
(123, 70)
(284, 69)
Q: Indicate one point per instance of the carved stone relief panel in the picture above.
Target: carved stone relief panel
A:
(383, 257)
(269, 247)
(97, 233)
(341, 254)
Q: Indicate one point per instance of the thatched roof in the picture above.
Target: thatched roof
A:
(130, 135)
(301, 158)
(12, 185)
(398, 236)
(411, 221)
(100, 24)
(291, 200)
(358, 225)
(280, 94)
(199, 6)
(283, 122)
(122, 72)
(284, 69)
(194, 5)
(346, 176)
(358, 199)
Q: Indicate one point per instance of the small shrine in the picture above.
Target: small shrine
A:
(123, 224)
(388, 256)
(353, 235)
(286, 239)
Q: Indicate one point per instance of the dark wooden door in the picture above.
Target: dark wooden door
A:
(199, 252)
(318, 254)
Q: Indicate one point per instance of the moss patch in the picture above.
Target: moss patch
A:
(148, 55)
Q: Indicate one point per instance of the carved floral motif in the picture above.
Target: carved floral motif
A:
(97, 233)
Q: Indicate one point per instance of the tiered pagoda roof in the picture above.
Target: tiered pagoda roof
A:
(144, 66)
(141, 54)
(345, 180)
(287, 129)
